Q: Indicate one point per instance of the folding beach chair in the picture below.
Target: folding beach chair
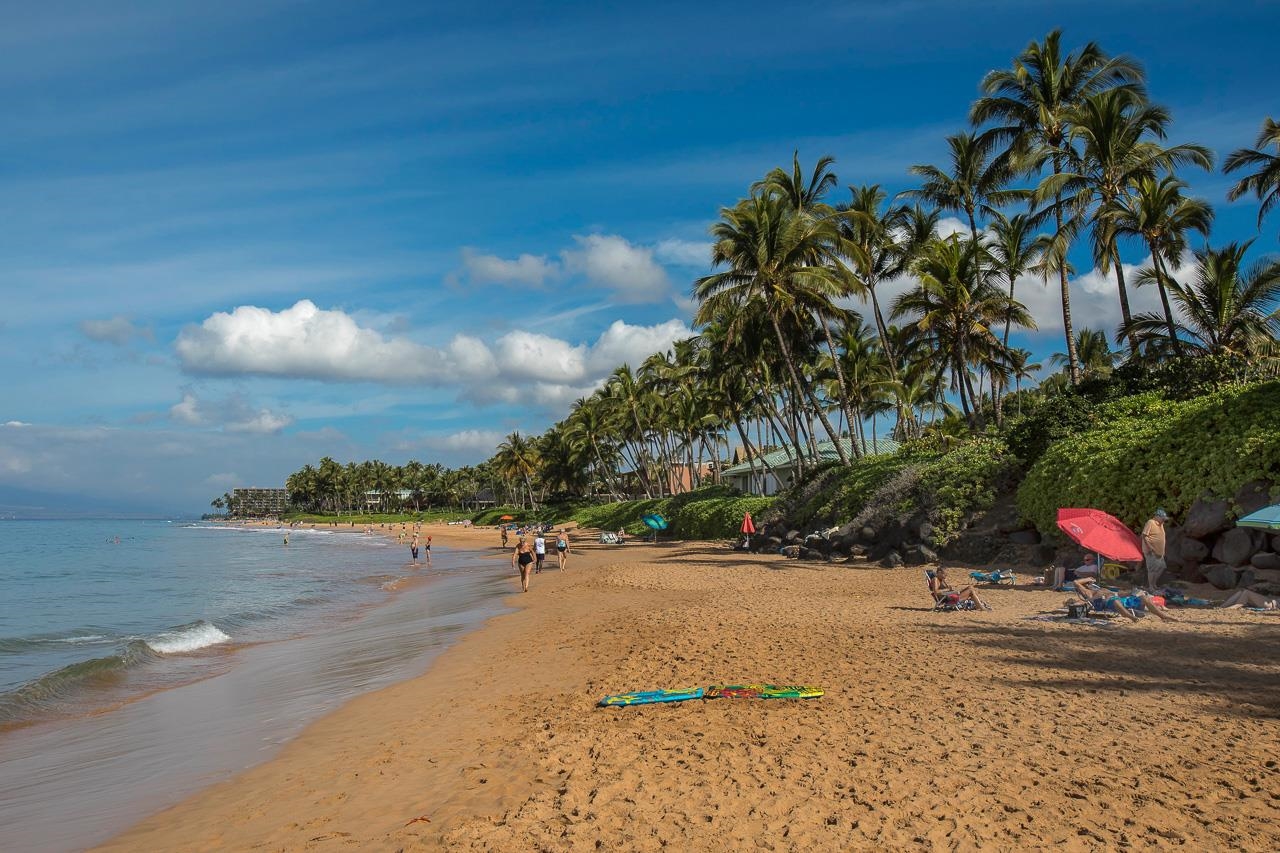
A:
(944, 600)
(1003, 576)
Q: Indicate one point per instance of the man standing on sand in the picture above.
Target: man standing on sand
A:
(1153, 547)
(539, 552)
(413, 547)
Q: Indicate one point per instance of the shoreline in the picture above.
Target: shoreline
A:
(1044, 732)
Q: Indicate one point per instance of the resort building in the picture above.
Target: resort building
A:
(755, 477)
(258, 503)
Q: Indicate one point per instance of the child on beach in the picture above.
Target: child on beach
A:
(539, 551)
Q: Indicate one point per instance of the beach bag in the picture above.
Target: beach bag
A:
(1077, 610)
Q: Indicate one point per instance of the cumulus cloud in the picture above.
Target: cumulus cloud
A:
(117, 330)
(310, 343)
(532, 270)
(304, 342)
(233, 414)
(683, 253)
(628, 270)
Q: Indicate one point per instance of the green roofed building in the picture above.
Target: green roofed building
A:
(754, 477)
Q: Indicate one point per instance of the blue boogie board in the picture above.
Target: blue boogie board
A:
(648, 697)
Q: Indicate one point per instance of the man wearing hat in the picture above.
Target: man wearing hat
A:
(1153, 547)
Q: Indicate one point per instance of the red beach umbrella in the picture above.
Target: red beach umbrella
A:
(748, 526)
(1098, 531)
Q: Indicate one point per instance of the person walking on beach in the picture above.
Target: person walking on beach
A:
(562, 547)
(427, 548)
(413, 547)
(539, 551)
(523, 557)
(1153, 547)
(505, 537)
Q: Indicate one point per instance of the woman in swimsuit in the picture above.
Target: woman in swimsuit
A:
(562, 547)
(523, 555)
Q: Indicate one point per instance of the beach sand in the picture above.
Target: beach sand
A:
(938, 731)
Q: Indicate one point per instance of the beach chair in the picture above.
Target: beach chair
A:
(943, 600)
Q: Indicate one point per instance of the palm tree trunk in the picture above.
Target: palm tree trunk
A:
(1073, 359)
(1161, 278)
(844, 391)
(1126, 317)
(807, 392)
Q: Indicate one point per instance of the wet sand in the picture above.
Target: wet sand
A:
(946, 731)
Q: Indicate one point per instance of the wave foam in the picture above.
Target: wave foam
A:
(189, 638)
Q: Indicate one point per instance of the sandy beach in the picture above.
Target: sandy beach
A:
(938, 731)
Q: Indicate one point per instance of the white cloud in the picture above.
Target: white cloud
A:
(16, 424)
(232, 414)
(532, 270)
(304, 342)
(467, 439)
(628, 270)
(117, 330)
(684, 253)
(949, 225)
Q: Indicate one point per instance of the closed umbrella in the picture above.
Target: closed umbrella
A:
(748, 527)
(1098, 531)
(1267, 518)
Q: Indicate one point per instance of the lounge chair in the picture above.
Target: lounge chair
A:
(1003, 576)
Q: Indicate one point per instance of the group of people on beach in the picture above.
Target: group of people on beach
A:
(529, 557)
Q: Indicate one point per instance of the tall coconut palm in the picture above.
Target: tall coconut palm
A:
(1016, 249)
(1118, 137)
(1021, 367)
(781, 263)
(1030, 104)
(1096, 356)
(517, 459)
(974, 184)
(1226, 308)
(802, 196)
(1265, 182)
(1157, 212)
(955, 306)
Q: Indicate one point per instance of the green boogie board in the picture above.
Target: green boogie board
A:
(648, 697)
(762, 691)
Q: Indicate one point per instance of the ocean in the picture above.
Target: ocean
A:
(143, 660)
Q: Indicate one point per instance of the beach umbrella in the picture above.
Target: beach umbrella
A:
(507, 518)
(655, 523)
(1267, 518)
(748, 527)
(1098, 531)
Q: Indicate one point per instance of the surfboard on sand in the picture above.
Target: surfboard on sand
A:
(648, 697)
(762, 691)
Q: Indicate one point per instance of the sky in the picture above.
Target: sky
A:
(238, 237)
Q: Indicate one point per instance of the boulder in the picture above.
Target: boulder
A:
(1275, 543)
(1222, 577)
(1192, 550)
(892, 560)
(810, 554)
(793, 536)
(1234, 547)
(1024, 537)
(926, 531)
(868, 534)
(1206, 516)
(929, 555)
(1253, 496)
(792, 551)
(770, 544)
(1265, 560)
(1246, 579)
(1267, 575)
(1268, 589)
(1044, 554)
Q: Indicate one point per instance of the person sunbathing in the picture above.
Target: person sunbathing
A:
(1248, 598)
(943, 591)
(1127, 606)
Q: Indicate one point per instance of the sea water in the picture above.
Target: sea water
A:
(142, 660)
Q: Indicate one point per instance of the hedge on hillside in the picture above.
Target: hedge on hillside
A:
(714, 512)
(1147, 452)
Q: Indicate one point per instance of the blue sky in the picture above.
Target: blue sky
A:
(240, 236)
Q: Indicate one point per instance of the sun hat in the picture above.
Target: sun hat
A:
(1160, 513)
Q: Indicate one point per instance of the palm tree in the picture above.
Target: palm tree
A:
(1096, 356)
(516, 457)
(1226, 309)
(802, 197)
(954, 307)
(1264, 183)
(1157, 212)
(1031, 104)
(975, 183)
(1116, 132)
(1015, 250)
(783, 265)
(1021, 367)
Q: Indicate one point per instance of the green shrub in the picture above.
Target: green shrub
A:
(712, 512)
(965, 479)
(1146, 451)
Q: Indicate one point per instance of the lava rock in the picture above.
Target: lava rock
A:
(868, 534)
(1206, 516)
(1265, 560)
(1192, 550)
(771, 544)
(1246, 579)
(792, 537)
(1024, 537)
(1222, 577)
(892, 560)
(926, 531)
(1253, 496)
(929, 555)
(1234, 547)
